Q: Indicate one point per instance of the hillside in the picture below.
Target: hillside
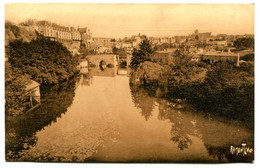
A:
(15, 32)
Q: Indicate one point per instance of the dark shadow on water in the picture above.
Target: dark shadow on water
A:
(21, 131)
(217, 133)
(145, 99)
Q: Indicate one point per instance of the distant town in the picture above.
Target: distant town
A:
(96, 51)
(73, 97)
(199, 43)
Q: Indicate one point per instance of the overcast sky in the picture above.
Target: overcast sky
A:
(121, 20)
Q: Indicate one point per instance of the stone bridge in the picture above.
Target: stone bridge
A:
(103, 59)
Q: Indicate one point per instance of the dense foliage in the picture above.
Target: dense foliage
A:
(248, 57)
(244, 43)
(184, 71)
(44, 60)
(85, 52)
(15, 91)
(119, 51)
(21, 130)
(163, 46)
(220, 89)
(149, 71)
(228, 90)
(144, 53)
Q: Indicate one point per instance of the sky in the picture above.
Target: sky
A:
(124, 20)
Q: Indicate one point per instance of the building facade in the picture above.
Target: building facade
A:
(85, 36)
(60, 33)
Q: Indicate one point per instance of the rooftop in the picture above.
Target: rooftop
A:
(220, 54)
(32, 84)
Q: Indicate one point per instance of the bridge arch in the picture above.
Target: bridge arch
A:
(102, 65)
(107, 58)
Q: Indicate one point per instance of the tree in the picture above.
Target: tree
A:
(184, 71)
(244, 43)
(149, 71)
(248, 57)
(163, 46)
(142, 54)
(46, 61)
(15, 92)
(21, 130)
(119, 51)
(183, 74)
(84, 52)
(229, 90)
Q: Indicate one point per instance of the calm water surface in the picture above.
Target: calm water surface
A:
(100, 117)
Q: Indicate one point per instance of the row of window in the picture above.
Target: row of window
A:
(68, 35)
(62, 35)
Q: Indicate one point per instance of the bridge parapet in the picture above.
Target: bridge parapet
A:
(107, 58)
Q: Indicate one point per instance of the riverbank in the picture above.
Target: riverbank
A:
(225, 91)
(101, 118)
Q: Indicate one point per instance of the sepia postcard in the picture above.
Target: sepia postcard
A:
(129, 83)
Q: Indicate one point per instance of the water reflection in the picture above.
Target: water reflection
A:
(217, 134)
(181, 128)
(107, 72)
(143, 100)
(110, 121)
(20, 131)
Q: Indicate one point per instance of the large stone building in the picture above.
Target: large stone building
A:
(60, 33)
(86, 36)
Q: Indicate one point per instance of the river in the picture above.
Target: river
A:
(99, 117)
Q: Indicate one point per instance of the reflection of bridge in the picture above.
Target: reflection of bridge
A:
(104, 58)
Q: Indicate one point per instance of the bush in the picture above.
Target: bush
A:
(46, 61)
(15, 92)
(119, 51)
(248, 57)
(84, 52)
(227, 91)
(244, 43)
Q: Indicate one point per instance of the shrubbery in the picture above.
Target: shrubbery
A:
(227, 90)
(244, 43)
(221, 89)
(15, 91)
(120, 51)
(45, 61)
